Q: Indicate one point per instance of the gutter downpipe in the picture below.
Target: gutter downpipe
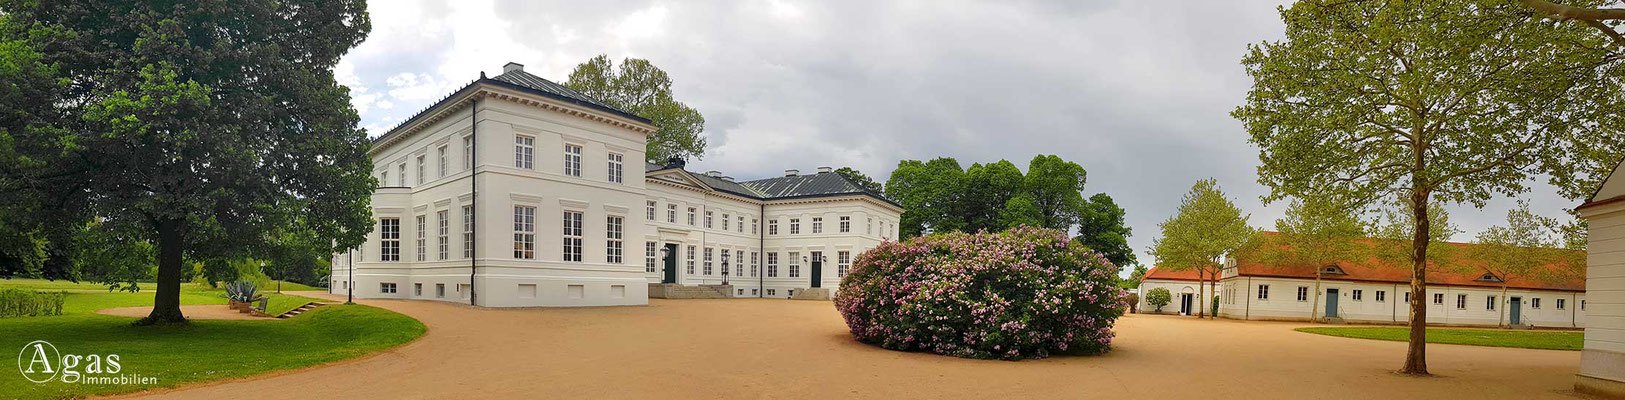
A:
(474, 194)
(761, 248)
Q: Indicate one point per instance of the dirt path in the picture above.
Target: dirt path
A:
(204, 311)
(682, 349)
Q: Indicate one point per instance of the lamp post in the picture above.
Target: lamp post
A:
(350, 285)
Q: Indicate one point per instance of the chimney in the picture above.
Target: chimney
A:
(713, 174)
(513, 66)
(824, 170)
(792, 172)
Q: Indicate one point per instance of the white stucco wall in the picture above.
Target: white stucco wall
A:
(1603, 359)
(1283, 304)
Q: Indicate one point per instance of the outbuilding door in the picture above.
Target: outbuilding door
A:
(1516, 311)
(1185, 305)
(1331, 303)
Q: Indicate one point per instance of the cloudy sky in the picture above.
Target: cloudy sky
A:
(1138, 92)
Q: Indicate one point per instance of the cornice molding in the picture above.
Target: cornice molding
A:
(451, 106)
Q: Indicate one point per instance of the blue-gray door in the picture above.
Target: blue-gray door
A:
(1331, 303)
(1515, 310)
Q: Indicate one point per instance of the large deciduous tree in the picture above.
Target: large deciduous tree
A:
(206, 125)
(1206, 228)
(641, 88)
(1590, 13)
(1103, 226)
(1383, 102)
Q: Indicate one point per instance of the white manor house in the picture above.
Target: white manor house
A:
(516, 191)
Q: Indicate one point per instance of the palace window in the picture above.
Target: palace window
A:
(773, 227)
(613, 234)
(649, 251)
(468, 231)
(708, 252)
(707, 219)
(389, 230)
(740, 227)
(400, 180)
(691, 259)
(691, 212)
(386, 287)
(572, 236)
(846, 224)
(524, 232)
(617, 167)
(755, 258)
(843, 263)
(817, 225)
(441, 151)
(725, 262)
(753, 223)
(671, 213)
(1263, 292)
(795, 226)
(443, 218)
(417, 289)
(795, 264)
(725, 221)
(773, 264)
(649, 210)
(572, 160)
(468, 152)
(423, 238)
(421, 170)
(739, 262)
(869, 226)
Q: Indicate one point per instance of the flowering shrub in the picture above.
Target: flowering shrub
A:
(1024, 293)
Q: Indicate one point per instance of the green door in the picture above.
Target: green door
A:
(671, 264)
(1516, 310)
(1331, 303)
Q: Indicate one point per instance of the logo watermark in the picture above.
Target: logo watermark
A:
(41, 362)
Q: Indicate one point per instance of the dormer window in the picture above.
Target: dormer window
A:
(1332, 270)
(1488, 277)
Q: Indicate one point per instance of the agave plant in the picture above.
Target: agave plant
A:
(242, 291)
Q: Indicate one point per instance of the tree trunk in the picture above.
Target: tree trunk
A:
(1314, 306)
(166, 304)
(1500, 319)
(1416, 355)
(1201, 293)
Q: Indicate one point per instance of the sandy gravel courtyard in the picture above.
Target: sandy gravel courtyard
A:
(679, 349)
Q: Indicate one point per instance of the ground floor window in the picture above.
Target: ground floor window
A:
(795, 264)
(649, 257)
(1438, 299)
(1461, 302)
(690, 266)
(417, 289)
(1303, 293)
(613, 233)
(770, 292)
(739, 263)
(1560, 304)
(439, 290)
(708, 253)
(1263, 292)
(772, 265)
(386, 287)
(1357, 294)
(1489, 303)
(1534, 302)
(1381, 296)
(843, 261)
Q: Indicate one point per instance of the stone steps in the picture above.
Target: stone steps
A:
(302, 309)
(677, 291)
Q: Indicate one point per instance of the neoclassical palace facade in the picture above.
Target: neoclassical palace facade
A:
(516, 191)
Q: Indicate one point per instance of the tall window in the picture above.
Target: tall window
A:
(423, 238)
(1263, 292)
(649, 252)
(420, 170)
(1357, 295)
(572, 236)
(1382, 296)
(795, 264)
(400, 180)
(1461, 302)
(616, 167)
(773, 226)
(468, 152)
(442, 154)
(524, 152)
(1438, 299)
(755, 261)
(843, 263)
(613, 233)
(649, 210)
(725, 261)
(468, 231)
(389, 230)
(444, 243)
(671, 213)
(725, 219)
(1303, 293)
(708, 219)
(869, 226)
(707, 270)
(1489, 303)
(1407, 297)
(795, 226)
(740, 227)
(753, 223)
(691, 259)
(524, 232)
(572, 160)
(383, 178)
(817, 225)
(1534, 303)
(739, 262)
(773, 264)
(691, 212)
(846, 224)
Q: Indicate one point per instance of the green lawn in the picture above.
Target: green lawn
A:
(202, 351)
(1545, 340)
(41, 284)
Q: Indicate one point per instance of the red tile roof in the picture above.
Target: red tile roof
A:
(1386, 271)
(1159, 273)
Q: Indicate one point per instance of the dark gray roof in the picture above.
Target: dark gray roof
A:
(787, 187)
(549, 88)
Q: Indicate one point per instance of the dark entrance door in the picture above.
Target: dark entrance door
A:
(670, 264)
(817, 269)
(1186, 307)
(1331, 303)
(1516, 310)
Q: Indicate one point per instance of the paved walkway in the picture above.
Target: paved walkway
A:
(678, 349)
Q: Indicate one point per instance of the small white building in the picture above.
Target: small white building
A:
(1380, 294)
(1183, 288)
(1602, 361)
(516, 191)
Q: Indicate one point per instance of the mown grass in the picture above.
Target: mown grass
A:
(42, 284)
(1544, 340)
(204, 350)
